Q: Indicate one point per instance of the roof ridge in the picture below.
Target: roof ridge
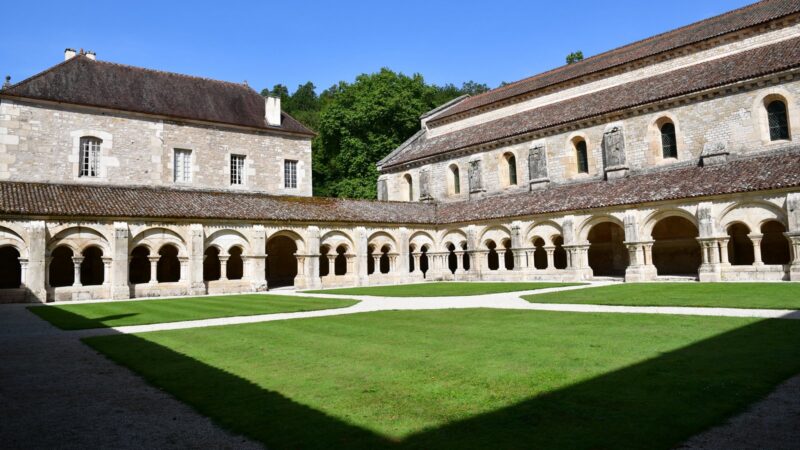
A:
(634, 44)
(42, 73)
(177, 74)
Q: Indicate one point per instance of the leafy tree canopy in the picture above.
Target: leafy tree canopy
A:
(575, 57)
(359, 123)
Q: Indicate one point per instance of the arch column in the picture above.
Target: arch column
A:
(153, 269)
(550, 250)
(196, 253)
(300, 278)
(258, 259)
(35, 276)
(76, 265)
(710, 266)
(794, 248)
(416, 256)
(459, 262)
(107, 261)
(351, 263)
(184, 263)
(23, 265)
(120, 262)
(376, 264)
(223, 267)
(313, 280)
(723, 250)
(393, 262)
(756, 240)
(331, 263)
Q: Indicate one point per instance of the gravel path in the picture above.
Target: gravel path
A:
(56, 392)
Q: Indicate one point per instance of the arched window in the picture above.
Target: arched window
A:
(493, 260)
(384, 262)
(89, 157)
(211, 264)
(10, 268)
(511, 166)
(235, 264)
(168, 267)
(740, 247)
(92, 267)
(340, 262)
(139, 269)
(62, 268)
(456, 179)
(409, 187)
(778, 121)
(669, 144)
(583, 157)
(774, 245)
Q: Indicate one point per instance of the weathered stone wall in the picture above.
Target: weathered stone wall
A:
(40, 143)
(735, 121)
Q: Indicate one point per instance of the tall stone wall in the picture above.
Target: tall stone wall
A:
(40, 143)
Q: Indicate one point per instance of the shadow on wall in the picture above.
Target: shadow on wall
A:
(657, 403)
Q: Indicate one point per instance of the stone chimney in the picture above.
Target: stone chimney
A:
(272, 111)
(69, 54)
(91, 55)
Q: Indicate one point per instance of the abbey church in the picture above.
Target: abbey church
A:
(673, 158)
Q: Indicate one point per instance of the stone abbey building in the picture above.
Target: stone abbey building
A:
(673, 157)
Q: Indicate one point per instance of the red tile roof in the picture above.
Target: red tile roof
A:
(732, 21)
(82, 81)
(746, 65)
(766, 172)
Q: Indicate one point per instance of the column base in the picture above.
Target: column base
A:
(121, 293)
(198, 289)
(794, 272)
(709, 273)
(259, 286)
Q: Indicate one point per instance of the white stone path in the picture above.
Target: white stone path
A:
(510, 300)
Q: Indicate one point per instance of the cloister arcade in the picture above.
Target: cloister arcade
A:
(730, 241)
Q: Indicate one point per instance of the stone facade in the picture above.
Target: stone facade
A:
(40, 142)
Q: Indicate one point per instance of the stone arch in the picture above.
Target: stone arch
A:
(751, 213)
(675, 247)
(559, 253)
(492, 257)
(10, 267)
(607, 253)
(423, 258)
(155, 238)
(539, 253)
(496, 233)
(62, 268)
(227, 238)
(508, 254)
(408, 188)
(740, 247)
(380, 238)
(422, 238)
(340, 262)
(384, 264)
(334, 238)
(572, 146)
(211, 263)
(775, 248)
(168, 267)
(654, 217)
(589, 223)
(139, 265)
(10, 237)
(546, 230)
(324, 264)
(234, 266)
(452, 258)
(453, 179)
(78, 238)
(281, 267)
(509, 169)
(92, 270)
(453, 236)
(655, 138)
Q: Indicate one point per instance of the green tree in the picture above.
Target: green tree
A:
(575, 57)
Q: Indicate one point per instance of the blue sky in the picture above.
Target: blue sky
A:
(291, 42)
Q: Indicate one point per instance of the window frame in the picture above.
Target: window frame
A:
(184, 166)
(511, 166)
(290, 174)
(782, 133)
(237, 176)
(581, 155)
(89, 152)
(673, 141)
(455, 172)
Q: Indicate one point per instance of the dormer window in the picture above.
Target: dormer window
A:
(89, 157)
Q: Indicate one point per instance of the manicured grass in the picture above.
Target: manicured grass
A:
(442, 289)
(468, 378)
(723, 295)
(141, 312)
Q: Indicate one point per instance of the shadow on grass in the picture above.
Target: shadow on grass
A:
(66, 320)
(657, 403)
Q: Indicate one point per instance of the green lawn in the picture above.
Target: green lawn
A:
(727, 295)
(475, 378)
(141, 312)
(442, 289)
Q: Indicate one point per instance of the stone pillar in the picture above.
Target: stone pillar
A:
(723, 249)
(710, 268)
(459, 262)
(300, 279)
(258, 260)
(393, 263)
(223, 267)
(120, 262)
(37, 267)
(184, 262)
(416, 256)
(107, 261)
(402, 252)
(551, 265)
(376, 263)
(313, 280)
(196, 252)
(351, 263)
(153, 269)
(76, 263)
(794, 246)
(361, 252)
(756, 240)
(23, 266)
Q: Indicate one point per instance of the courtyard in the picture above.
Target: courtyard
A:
(458, 365)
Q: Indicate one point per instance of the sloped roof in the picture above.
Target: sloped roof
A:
(746, 65)
(83, 81)
(732, 21)
(767, 172)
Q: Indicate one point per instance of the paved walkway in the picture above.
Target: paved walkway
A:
(56, 392)
(509, 300)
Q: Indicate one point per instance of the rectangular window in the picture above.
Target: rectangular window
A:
(89, 157)
(182, 164)
(237, 169)
(290, 174)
